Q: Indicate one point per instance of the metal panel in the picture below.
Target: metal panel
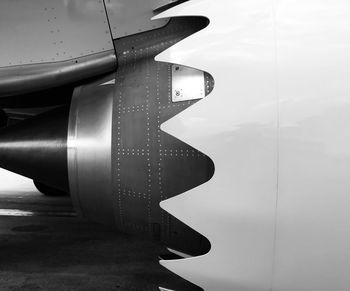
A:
(187, 84)
(89, 150)
(128, 17)
(30, 78)
(148, 164)
(51, 30)
(236, 126)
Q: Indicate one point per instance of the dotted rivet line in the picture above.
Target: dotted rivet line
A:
(118, 158)
(58, 41)
(52, 26)
(152, 36)
(149, 168)
(135, 59)
(162, 152)
(155, 47)
(106, 25)
(104, 12)
(180, 153)
(132, 109)
(159, 141)
(133, 152)
(170, 85)
(179, 104)
(133, 194)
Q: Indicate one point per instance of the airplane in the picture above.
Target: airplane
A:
(219, 128)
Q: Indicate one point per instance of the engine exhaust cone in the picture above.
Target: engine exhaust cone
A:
(37, 148)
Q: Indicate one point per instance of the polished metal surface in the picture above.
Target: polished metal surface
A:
(25, 113)
(187, 83)
(55, 96)
(43, 31)
(129, 17)
(29, 78)
(3, 118)
(89, 150)
(37, 148)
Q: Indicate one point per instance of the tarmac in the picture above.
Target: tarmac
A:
(45, 246)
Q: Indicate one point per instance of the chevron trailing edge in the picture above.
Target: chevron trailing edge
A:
(237, 219)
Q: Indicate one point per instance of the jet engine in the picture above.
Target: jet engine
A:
(106, 147)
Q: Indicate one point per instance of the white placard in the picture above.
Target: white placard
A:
(187, 84)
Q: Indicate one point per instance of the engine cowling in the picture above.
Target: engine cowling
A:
(107, 149)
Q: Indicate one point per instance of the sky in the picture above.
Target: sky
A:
(12, 182)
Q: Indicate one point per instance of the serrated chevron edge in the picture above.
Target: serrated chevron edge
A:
(236, 126)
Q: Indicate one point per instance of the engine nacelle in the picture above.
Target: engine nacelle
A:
(121, 165)
(107, 148)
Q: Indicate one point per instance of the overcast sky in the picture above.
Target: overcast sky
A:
(13, 182)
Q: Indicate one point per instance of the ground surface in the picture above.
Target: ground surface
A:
(54, 250)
